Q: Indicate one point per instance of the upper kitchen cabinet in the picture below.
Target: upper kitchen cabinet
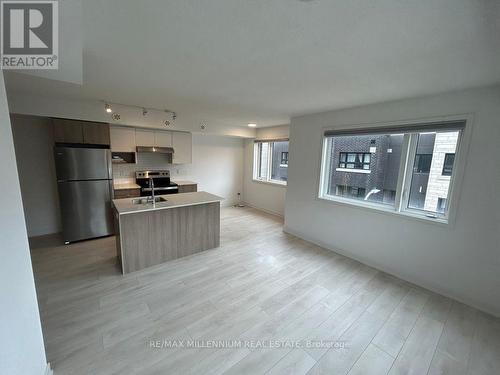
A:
(163, 139)
(145, 137)
(96, 133)
(183, 146)
(123, 139)
(67, 131)
(81, 132)
(126, 139)
(153, 138)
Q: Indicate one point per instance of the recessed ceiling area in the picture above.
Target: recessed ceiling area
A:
(240, 62)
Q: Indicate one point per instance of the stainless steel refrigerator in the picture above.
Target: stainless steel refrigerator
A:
(84, 181)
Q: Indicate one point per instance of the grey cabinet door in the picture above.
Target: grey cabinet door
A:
(67, 131)
(96, 133)
(85, 209)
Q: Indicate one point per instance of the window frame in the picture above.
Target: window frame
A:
(405, 169)
(257, 161)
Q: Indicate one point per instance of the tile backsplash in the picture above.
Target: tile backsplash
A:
(146, 161)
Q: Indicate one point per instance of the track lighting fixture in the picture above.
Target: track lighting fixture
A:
(145, 111)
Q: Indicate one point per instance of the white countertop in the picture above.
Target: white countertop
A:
(125, 206)
(183, 182)
(125, 185)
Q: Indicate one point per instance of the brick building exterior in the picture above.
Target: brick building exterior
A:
(367, 166)
(380, 180)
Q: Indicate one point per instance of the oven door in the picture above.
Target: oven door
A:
(146, 192)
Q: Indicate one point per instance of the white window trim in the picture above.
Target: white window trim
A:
(267, 180)
(354, 170)
(403, 181)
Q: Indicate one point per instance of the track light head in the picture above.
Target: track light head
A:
(107, 108)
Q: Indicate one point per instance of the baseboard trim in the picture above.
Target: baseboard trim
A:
(270, 212)
(420, 283)
(48, 370)
(228, 203)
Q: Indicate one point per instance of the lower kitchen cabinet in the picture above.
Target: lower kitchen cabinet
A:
(191, 188)
(127, 193)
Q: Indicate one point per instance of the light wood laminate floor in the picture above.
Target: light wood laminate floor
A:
(261, 284)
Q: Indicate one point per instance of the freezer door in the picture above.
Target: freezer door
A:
(78, 163)
(85, 209)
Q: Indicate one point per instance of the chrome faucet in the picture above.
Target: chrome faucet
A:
(152, 187)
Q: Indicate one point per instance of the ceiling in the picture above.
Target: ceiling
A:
(240, 61)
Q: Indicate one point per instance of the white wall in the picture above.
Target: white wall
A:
(33, 140)
(217, 166)
(21, 343)
(265, 196)
(461, 260)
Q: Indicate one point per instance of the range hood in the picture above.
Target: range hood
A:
(159, 150)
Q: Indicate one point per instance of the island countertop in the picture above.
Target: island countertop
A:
(125, 206)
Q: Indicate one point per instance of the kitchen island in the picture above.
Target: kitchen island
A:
(178, 225)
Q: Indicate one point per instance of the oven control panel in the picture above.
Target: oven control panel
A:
(152, 174)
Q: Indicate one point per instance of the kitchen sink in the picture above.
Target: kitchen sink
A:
(147, 200)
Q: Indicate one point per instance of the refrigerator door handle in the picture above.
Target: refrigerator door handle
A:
(110, 165)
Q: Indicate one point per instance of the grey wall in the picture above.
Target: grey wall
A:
(33, 141)
(21, 343)
(462, 259)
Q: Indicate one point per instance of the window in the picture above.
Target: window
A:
(354, 160)
(449, 159)
(398, 169)
(422, 163)
(441, 206)
(271, 161)
(350, 191)
(284, 159)
(426, 188)
(351, 155)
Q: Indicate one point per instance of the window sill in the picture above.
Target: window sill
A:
(385, 210)
(365, 171)
(274, 183)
